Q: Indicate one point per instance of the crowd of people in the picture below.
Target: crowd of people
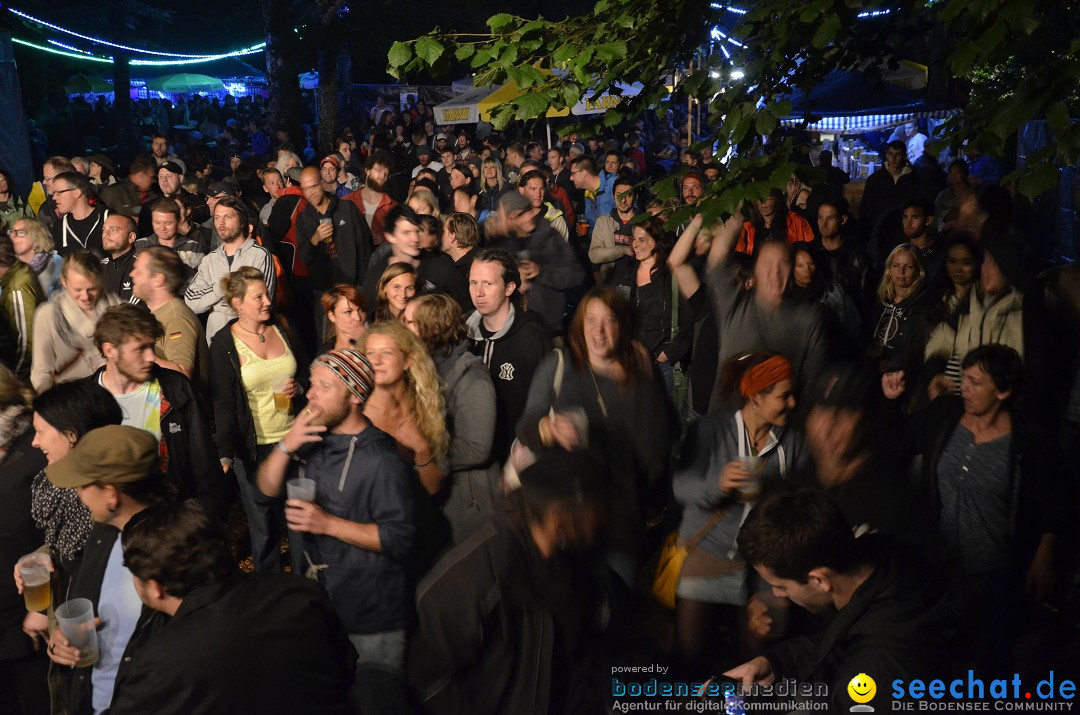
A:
(460, 390)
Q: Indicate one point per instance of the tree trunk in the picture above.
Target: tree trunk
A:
(344, 75)
(328, 100)
(281, 72)
(126, 141)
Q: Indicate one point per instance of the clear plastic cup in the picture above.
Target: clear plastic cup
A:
(76, 620)
(580, 420)
(34, 571)
(752, 489)
(300, 488)
(282, 401)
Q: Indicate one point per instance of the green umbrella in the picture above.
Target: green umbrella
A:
(81, 84)
(185, 83)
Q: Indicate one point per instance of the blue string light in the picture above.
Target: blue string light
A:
(89, 58)
(184, 58)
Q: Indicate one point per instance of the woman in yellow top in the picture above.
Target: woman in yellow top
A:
(252, 369)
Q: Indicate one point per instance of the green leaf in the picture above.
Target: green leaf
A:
(497, 22)
(481, 58)
(600, 6)
(766, 123)
(826, 31)
(611, 51)
(564, 54)
(1058, 118)
(464, 52)
(1039, 180)
(429, 50)
(399, 54)
(530, 106)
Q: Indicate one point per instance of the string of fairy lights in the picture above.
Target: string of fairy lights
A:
(78, 53)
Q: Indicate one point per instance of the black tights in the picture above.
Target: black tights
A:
(701, 631)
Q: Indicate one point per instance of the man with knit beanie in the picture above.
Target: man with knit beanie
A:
(358, 531)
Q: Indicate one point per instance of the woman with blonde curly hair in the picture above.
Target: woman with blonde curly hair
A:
(407, 402)
(471, 493)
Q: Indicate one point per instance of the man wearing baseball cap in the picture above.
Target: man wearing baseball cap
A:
(170, 176)
(423, 156)
(115, 471)
(214, 193)
(359, 530)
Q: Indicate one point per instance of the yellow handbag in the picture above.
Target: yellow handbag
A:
(672, 557)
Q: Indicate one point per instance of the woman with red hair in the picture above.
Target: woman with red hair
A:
(728, 461)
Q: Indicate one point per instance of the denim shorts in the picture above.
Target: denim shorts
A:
(729, 589)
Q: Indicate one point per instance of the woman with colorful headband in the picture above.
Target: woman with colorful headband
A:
(728, 460)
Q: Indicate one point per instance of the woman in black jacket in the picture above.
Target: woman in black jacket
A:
(252, 369)
(988, 481)
(662, 327)
(20, 462)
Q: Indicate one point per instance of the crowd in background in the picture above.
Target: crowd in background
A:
(503, 381)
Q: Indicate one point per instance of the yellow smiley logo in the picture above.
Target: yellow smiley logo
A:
(862, 688)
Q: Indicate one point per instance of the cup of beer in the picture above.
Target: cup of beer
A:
(282, 401)
(300, 488)
(76, 620)
(752, 489)
(34, 571)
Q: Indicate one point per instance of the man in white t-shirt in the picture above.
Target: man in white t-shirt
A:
(423, 155)
(915, 141)
(159, 400)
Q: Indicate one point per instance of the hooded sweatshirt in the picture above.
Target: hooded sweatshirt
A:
(511, 356)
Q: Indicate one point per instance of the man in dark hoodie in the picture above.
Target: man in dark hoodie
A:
(506, 338)
(548, 268)
(358, 530)
(891, 620)
(507, 620)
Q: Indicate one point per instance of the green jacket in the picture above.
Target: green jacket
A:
(15, 209)
(20, 294)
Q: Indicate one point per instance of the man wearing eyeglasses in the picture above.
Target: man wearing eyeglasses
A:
(81, 223)
(46, 210)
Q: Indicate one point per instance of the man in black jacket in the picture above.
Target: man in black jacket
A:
(115, 471)
(118, 239)
(333, 239)
(549, 269)
(161, 401)
(234, 643)
(893, 619)
(506, 338)
(507, 620)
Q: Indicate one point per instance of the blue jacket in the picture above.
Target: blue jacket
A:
(361, 478)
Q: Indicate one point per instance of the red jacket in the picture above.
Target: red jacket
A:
(798, 229)
(384, 207)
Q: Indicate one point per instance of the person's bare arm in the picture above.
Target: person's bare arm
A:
(678, 259)
(724, 239)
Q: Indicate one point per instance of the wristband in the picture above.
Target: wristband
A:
(285, 450)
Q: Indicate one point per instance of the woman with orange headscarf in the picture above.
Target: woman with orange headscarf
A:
(728, 461)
